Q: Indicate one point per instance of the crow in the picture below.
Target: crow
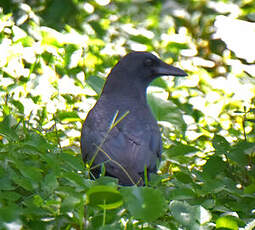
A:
(120, 131)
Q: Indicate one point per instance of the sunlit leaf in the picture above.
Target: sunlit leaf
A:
(180, 149)
(227, 222)
(65, 116)
(140, 39)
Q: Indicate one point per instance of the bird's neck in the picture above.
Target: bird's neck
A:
(119, 88)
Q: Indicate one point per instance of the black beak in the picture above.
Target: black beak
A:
(165, 69)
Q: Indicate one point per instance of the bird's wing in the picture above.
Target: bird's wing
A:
(133, 148)
(125, 149)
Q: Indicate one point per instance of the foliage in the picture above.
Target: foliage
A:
(54, 56)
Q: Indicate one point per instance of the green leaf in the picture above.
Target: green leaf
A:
(241, 151)
(6, 184)
(75, 179)
(38, 200)
(188, 215)
(26, 41)
(96, 83)
(105, 197)
(250, 189)
(212, 186)
(202, 215)
(227, 222)
(180, 149)
(20, 180)
(214, 166)
(50, 183)
(51, 161)
(144, 203)
(98, 28)
(140, 39)
(10, 213)
(69, 50)
(37, 142)
(6, 129)
(30, 172)
(11, 196)
(166, 111)
(107, 180)
(68, 116)
(181, 194)
(220, 144)
(18, 105)
(183, 177)
(73, 161)
(182, 212)
(70, 202)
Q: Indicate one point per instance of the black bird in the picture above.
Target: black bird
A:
(120, 131)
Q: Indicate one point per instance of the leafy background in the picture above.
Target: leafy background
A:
(54, 56)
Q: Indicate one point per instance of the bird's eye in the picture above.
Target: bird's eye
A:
(148, 62)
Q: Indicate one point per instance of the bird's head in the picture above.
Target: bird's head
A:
(147, 66)
(137, 70)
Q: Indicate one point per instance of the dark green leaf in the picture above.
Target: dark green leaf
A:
(220, 144)
(240, 152)
(105, 197)
(183, 177)
(144, 203)
(37, 142)
(11, 196)
(214, 166)
(30, 172)
(212, 186)
(96, 83)
(10, 213)
(181, 194)
(50, 183)
(75, 162)
(6, 184)
(6, 129)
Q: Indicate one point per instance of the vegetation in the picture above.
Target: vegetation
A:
(54, 56)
